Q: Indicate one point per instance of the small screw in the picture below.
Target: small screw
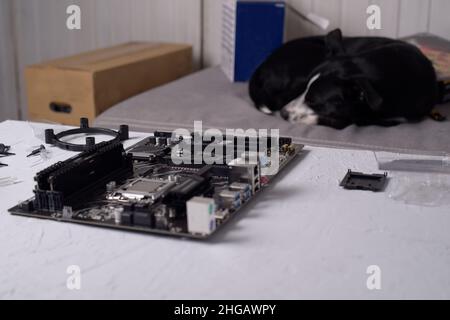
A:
(37, 151)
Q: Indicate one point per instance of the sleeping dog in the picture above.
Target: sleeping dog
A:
(336, 81)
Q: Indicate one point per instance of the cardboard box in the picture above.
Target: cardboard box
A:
(251, 31)
(85, 85)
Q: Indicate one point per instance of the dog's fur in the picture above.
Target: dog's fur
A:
(336, 81)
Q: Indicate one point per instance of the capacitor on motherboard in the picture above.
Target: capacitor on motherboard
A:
(174, 178)
(152, 140)
(161, 141)
(111, 186)
(117, 214)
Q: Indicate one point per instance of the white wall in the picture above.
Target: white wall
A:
(399, 18)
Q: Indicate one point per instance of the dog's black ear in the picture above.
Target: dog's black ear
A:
(370, 95)
(334, 43)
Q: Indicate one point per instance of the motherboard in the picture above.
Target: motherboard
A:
(161, 185)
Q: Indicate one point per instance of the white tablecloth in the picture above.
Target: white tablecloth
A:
(304, 237)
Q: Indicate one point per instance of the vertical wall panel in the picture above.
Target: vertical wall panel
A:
(212, 26)
(296, 25)
(331, 10)
(440, 18)
(113, 21)
(414, 17)
(390, 12)
(354, 17)
(8, 80)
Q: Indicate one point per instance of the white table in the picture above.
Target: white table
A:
(305, 237)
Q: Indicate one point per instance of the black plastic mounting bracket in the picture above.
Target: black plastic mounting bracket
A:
(55, 139)
(362, 181)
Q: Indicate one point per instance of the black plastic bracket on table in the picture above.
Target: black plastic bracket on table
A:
(55, 139)
(362, 181)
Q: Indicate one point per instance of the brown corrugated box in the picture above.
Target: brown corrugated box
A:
(85, 85)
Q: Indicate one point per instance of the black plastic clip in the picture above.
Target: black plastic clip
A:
(36, 151)
(4, 151)
(362, 181)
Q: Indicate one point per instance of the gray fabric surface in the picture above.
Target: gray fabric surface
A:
(210, 97)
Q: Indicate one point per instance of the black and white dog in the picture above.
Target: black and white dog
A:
(336, 81)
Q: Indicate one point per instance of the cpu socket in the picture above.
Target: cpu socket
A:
(141, 189)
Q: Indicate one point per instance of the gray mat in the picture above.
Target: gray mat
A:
(210, 97)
